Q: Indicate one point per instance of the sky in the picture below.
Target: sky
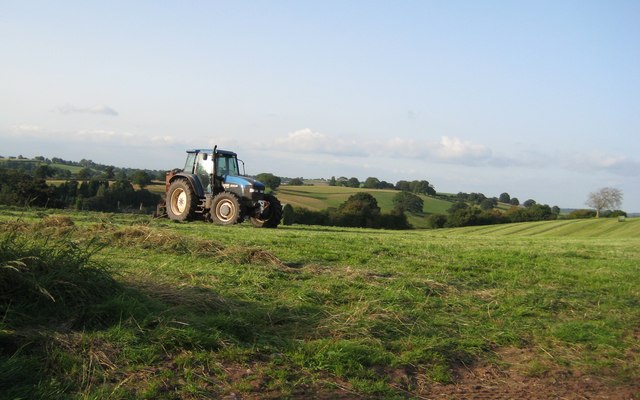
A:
(539, 99)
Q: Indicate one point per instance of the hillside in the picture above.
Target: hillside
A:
(607, 228)
(321, 197)
(153, 309)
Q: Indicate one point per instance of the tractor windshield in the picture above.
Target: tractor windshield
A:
(227, 165)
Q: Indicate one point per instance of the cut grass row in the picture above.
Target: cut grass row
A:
(205, 311)
(608, 228)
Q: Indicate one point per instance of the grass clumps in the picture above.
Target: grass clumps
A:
(50, 279)
(49, 287)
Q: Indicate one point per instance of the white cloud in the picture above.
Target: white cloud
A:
(616, 164)
(458, 150)
(308, 141)
(450, 150)
(84, 136)
(447, 150)
(99, 109)
(166, 140)
(24, 128)
(105, 136)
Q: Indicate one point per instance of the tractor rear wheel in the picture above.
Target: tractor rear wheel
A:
(225, 209)
(272, 214)
(181, 201)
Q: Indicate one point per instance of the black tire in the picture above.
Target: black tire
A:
(225, 209)
(181, 201)
(272, 215)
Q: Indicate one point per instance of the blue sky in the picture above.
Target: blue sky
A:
(537, 99)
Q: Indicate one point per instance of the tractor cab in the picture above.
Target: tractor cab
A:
(216, 171)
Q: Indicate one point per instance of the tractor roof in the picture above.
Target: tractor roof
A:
(210, 151)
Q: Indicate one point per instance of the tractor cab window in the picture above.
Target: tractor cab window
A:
(227, 165)
(204, 169)
(188, 166)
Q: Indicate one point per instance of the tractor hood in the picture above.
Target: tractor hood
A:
(243, 186)
(243, 181)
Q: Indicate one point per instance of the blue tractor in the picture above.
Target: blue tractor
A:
(211, 187)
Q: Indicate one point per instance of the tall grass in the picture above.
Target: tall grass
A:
(200, 311)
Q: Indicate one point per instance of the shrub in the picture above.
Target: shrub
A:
(437, 221)
(288, 215)
(578, 214)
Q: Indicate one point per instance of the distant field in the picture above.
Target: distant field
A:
(609, 228)
(156, 309)
(321, 197)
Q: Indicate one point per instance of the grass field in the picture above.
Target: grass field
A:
(195, 310)
(320, 197)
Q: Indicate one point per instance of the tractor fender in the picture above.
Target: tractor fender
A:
(195, 183)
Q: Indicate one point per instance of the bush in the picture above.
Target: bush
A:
(613, 214)
(408, 202)
(579, 214)
(288, 215)
(437, 221)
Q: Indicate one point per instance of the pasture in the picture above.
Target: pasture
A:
(127, 307)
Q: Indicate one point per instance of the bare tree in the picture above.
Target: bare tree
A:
(605, 198)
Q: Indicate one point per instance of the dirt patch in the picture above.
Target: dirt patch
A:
(535, 381)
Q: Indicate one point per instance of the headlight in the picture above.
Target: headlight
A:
(254, 190)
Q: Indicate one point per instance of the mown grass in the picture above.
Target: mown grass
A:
(199, 311)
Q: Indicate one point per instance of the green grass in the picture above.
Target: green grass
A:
(321, 197)
(201, 311)
(609, 228)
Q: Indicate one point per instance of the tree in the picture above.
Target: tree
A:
(360, 210)
(296, 182)
(606, 198)
(407, 201)
(43, 172)
(505, 198)
(84, 174)
(488, 204)
(141, 178)
(421, 187)
(529, 203)
(332, 181)
(372, 183)
(403, 185)
(110, 172)
(288, 215)
(459, 205)
(270, 180)
(514, 201)
(353, 183)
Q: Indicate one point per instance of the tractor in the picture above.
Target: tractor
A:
(210, 187)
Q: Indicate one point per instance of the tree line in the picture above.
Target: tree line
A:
(86, 169)
(417, 186)
(19, 188)
(360, 210)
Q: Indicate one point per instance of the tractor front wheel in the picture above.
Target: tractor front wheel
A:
(226, 209)
(271, 214)
(181, 201)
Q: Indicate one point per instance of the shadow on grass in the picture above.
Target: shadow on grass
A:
(67, 327)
